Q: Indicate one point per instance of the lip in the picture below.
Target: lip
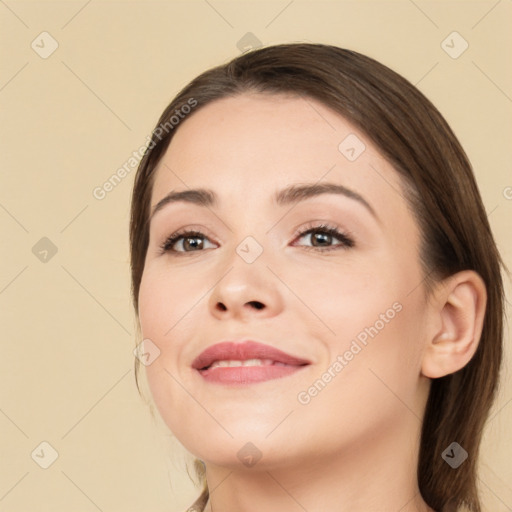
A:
(228, 350)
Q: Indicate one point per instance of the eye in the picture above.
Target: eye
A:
(322, 237)
(186, 241)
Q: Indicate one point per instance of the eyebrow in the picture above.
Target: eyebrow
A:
(289, 196)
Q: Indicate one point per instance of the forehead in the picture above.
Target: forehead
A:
(249, 146)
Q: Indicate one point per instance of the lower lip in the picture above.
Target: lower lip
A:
(240, 375)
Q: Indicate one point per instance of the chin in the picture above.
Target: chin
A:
(241, 451)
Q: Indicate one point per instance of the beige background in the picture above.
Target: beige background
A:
(70, 120)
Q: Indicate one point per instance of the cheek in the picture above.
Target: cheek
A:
(158, 305)
(371, 317)
(373, 373)
(385, 352)
(152, 306)
(168, 306)
(164, 300)
(350, 298)
(159, 309)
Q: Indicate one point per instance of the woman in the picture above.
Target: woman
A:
(313, 265)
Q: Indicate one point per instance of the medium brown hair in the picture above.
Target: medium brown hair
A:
(441, 192)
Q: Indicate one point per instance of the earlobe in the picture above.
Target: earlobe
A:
(459, 309)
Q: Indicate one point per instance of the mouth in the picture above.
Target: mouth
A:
(246, 362)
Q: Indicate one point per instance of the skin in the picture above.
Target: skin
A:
(354, 446)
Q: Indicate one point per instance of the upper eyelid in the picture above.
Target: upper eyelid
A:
(296, 232)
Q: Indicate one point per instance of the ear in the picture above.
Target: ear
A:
(459, 309)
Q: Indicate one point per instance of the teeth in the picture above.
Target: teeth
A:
(247, 362)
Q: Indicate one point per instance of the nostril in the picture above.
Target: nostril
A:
(256, 304)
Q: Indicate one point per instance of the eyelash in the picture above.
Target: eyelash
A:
(345, 239)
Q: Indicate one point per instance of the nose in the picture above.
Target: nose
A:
(245, 292)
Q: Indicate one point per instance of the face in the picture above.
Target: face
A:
(328, 276)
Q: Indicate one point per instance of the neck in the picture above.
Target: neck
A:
(372, 475)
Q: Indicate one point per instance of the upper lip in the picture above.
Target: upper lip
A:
(229, 350)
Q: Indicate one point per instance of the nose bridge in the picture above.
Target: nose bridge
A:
(248, 235)
(247, 284)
